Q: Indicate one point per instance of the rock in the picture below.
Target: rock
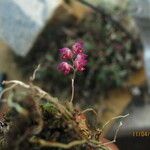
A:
(21, 21)
(140, 11)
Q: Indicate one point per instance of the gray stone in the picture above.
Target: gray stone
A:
(140, 10)
(21, 21)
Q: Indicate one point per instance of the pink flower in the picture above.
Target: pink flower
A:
(66, 53)
(80, 62)
(65, 68)
(78, 47)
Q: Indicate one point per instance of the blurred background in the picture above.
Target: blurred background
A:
(116, 35)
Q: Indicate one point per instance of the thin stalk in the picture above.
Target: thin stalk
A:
(72, 85)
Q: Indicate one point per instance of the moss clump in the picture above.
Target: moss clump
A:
(24, 127)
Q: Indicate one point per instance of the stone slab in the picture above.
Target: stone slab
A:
(21, 21)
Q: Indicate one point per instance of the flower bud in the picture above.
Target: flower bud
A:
(66, 53)
(65, 68)
(80, 62)
(78, 47)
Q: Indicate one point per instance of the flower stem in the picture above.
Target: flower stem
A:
(72, 84)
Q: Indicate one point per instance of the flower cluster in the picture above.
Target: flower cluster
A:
(76, 57)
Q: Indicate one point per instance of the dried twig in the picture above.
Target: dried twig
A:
(89, 109)
(118, 117)
(45, 143)
(7, 89)
(32, 78)
(17, 83)
(40, 93)
(115, 136)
